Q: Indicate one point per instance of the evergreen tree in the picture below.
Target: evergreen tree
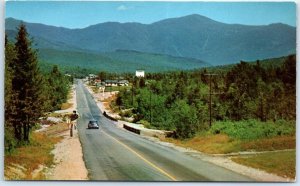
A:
(58, 86)
(10, 56)
(27, 84)
(9, 107)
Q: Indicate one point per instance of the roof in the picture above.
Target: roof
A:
(123, 81)
(116, 81)
(111, 81)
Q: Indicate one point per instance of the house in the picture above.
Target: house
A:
(92, 76)
(111, 83)
(123, 83)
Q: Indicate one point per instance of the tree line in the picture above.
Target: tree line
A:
(180, 101)
(29, 94)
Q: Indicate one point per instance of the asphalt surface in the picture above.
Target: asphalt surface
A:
(114, 154)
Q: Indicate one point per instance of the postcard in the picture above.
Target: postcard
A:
(150, 91)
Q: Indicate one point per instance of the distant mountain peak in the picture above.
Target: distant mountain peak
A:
(196, 16)
(189, 19)
(190, 36)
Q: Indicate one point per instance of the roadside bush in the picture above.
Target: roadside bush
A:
(145, 123)
(126, 113)
(252, 129)
(185, 120)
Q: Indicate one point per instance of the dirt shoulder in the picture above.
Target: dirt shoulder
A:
(68, 157)
(68, 160)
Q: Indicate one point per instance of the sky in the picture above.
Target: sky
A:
(81, 14)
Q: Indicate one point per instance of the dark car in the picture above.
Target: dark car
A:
(93, 124)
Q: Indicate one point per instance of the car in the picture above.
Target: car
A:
(93, 124)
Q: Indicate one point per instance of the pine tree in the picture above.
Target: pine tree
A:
(58, 88)
(27, 84)
(9, 107)
(10, 56)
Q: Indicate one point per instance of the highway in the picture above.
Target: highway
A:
(115, 154)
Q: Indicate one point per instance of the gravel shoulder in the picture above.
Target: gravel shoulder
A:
(68, 157)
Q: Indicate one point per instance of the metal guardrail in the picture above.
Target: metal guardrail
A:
(109, 117)
(137, 131)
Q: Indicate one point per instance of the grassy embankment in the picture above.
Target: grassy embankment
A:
(230, 137)
(280, 163)
(20, 164)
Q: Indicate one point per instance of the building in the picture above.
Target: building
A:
(140, 73)
(92, 76)
(114, 83)
(110, 83)
(123, 83)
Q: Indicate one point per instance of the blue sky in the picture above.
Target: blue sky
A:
(82, 14)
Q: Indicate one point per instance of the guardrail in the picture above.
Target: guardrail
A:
(144, 131)
(137, 131)
(109, 117)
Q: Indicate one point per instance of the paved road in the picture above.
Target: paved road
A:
(111, 153)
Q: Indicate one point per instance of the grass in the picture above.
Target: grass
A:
(211, 144)
(223, 144)
(280, 163)
(269, 144)
(37, 153)
(53, 114)
(253, 129)
(65, 106)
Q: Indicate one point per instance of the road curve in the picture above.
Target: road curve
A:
(111, 153)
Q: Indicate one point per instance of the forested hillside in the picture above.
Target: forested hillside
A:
(262, 91)
(118, 61)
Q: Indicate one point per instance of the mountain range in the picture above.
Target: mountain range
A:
(193, 37)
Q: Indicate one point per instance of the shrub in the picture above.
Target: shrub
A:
(145, 123)
(252, 129)
(126, 113)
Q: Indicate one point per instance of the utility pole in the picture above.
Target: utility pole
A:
(132, 90)
(150, 106)
(210, 96)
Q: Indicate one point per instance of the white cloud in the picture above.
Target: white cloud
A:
(123, 8)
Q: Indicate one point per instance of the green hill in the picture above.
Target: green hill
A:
(265, 63)
(119, 61)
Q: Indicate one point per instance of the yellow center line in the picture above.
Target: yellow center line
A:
(141, 157)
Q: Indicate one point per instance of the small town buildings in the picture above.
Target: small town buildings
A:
(112, 83)
(123, 83)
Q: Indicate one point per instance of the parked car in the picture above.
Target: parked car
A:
(93, 124)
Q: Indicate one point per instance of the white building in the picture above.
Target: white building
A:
(91, 76)
(140, 73)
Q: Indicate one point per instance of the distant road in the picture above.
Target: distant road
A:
(115, 154)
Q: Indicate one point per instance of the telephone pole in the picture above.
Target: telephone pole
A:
(132, 90)
(210, 95)
(150, 107)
